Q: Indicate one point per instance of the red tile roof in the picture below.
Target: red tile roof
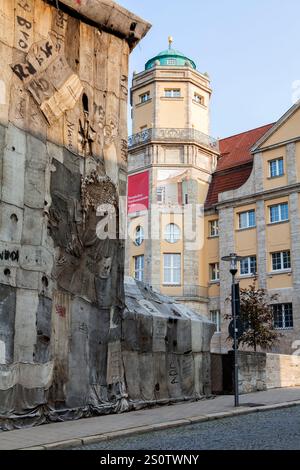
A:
(235, 163)
(235, 150)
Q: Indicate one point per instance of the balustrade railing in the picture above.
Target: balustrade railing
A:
(173, 135)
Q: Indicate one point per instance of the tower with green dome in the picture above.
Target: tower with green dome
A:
(171, 93)
(170, 57)
(171, 158)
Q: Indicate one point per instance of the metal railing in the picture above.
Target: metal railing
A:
(172, 135)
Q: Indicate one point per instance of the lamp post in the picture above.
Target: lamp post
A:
(233, 258)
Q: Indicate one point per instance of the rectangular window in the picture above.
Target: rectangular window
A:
(247, 219)
(214, 228)
(172, 62)
(215, 317)
(248, 266)
(214, 272)
(283, 316)
(173, 93)
(172, 269)
(279, 212)
(276, 167)
(281, 261)
(145, 97)
(139, 268)
(160, 193)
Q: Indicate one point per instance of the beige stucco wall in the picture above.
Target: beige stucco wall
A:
(282, 371)
(288, 131)
(161, 112)
(268, 155)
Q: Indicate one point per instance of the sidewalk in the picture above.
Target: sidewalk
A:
(84, 431)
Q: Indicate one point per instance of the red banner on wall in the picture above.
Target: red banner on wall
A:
(138, 192)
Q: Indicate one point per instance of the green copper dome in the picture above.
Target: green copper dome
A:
(170, 57)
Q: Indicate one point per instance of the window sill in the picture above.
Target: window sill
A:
(171, 285)
(142, 104)
(246, 276)
(169, 98)
(210, 237)
(278, 223)
(270, 178)
(214, 283)
(246, 228)
(278, 273)
(284, 329)
(200, 104)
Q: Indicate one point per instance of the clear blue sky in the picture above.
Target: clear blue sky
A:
(250, 48)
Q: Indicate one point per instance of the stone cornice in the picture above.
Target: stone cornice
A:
(275, 146)
(108, 16)
(154, 75)
(264, 195)
(275, 127)
(166, 166)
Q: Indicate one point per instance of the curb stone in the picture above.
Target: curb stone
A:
(160, 426)
(64, 444)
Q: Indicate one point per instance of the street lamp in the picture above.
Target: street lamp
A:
(233, 258)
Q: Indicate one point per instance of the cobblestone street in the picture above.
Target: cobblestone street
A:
(272, 430)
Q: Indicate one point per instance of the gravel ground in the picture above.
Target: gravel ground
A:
(276, 430)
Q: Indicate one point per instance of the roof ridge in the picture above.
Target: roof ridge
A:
(247, 132)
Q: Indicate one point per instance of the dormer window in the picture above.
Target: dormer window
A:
(171, 62)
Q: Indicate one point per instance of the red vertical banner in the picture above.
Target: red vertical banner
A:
(138, 192)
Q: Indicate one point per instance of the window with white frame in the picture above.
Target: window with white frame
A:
(276, 167)
(279, 213)
(145, 97)
(172, 269)
(248, 266)
(247, 219)
(172, 233)
(281, 260)
(139, 262)
(171, 62)
(215, 317)
(172, 93)
(214, 271)
(139, 236)
(214, 228)
(283, 316)
(160, 194)
(198, 98)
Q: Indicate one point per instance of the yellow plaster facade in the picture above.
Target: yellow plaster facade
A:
(192, 164)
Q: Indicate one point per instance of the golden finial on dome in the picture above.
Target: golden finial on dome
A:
(171, 40)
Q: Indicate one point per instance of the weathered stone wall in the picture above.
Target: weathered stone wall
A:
(63, 154)
(257, 371)
(282, 370)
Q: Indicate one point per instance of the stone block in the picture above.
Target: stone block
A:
(7, 323)
(34, 187)
(13, 178)
(15, 140)
(11, 222)
(34, 258)
(8, 276)
(32, 226)
(36, 154)
(27, 279)
(25, 325)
